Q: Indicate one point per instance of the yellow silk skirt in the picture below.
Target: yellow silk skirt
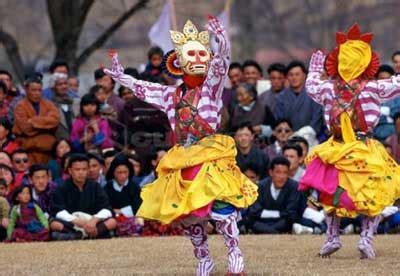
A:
(366, 171)
(170, 197)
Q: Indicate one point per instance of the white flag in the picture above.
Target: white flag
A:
(159, 32)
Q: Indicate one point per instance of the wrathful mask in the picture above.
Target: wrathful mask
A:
(192, 49)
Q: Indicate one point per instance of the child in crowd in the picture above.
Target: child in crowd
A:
(4, 209)
(27, 221)
(7, 141)
(90, 132)
(60, 149)
(106, 110)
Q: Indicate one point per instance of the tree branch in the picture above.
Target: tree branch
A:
(85, 7)
(12, 50)
(109, 32)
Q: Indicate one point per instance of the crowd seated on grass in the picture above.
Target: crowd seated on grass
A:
(73, 161)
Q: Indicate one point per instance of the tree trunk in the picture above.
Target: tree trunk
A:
(12, 50)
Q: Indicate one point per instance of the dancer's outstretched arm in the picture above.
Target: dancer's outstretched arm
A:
(386, 89)
(220, 61)
(160, 96)
(317, 88)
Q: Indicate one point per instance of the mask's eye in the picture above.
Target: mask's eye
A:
(191, 53)
(203, 53)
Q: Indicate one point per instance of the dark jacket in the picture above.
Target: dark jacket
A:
(90, 200)
(286, 204)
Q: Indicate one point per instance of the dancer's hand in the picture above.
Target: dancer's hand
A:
(214, 26)
(116, 69)
(317, 61)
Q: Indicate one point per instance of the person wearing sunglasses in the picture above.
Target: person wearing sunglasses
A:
(282, 131)
(21, 165)
(35, 121)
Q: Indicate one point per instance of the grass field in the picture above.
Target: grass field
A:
(264, 255)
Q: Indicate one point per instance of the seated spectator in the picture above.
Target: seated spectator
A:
(252, 72)
(7, 174)
(294, 154)
(124, 196)
(27, 221)
(64, 104)
(155, 58)
(249, 109)
(393, 140)
(277, 77)
(276, 207)
(247, 151)
(42, 188)
(4, 104)
(96, 168)
(21, 165)
(106, 110)
(142, 169)
(108, 84)
(294, 104)
(125, 93)
(5, 158)
(58, 67)
(108, 157)
(11, 91)
(90, 132)
(80, 206)
(73, 85)
(302, 142)
(229, 96)
(4, 209)
(7, 141)
(59, 150)
(35, 122)
(282, 131)
(250, 170)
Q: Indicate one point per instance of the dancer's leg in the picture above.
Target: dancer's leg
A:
(365, 245)
(332, 242)
(228, 228)
(198, 237)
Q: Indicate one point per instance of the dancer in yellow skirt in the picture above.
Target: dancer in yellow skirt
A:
(198, 179)
(351, 174)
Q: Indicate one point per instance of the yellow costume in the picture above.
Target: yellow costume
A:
(169, 197)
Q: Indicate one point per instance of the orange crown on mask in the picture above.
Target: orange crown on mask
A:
(353, 57)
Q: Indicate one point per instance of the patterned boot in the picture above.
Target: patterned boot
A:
(228, 228)
(332, 242)
(198, 237)
(365, 245)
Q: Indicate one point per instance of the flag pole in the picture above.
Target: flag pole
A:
(171, 4)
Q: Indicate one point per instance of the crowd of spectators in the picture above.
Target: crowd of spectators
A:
(73, 162)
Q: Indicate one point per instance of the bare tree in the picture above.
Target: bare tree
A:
(67, 19)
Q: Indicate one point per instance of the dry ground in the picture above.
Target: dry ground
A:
(264, 255)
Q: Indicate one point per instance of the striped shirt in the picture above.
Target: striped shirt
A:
(371, 97)
(210, 103)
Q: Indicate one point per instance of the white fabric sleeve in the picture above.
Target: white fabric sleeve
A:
(313, 215)
(103, 214)
(65, 215)
(270, 214)
(389, 210)
(127, 211)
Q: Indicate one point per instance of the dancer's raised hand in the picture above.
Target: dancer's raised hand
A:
(116, 69)
(317, 61)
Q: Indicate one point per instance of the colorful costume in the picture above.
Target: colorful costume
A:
(198, 178)
(352, 173)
